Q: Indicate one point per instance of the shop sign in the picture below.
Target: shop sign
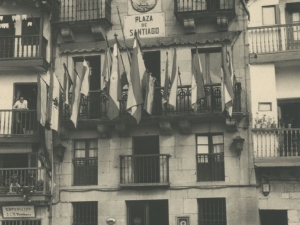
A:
(146, 25)
(18, 211)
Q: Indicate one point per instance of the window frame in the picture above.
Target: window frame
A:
(275, 16)
(82, 213)
(220, 207)
(87, 148)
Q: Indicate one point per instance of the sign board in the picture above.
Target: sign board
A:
(146, 25)
(137, 7)
(18, 211)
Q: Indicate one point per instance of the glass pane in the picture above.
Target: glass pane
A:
(93, 144)
(93, 153)
(217, 139)
(202, 140)
(269, 15)
(218, 148)
(79, 153)
(79, 145)
(215, 67)
(202, 149)
(295, 17)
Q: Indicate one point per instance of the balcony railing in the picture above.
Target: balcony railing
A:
(96, 104)
(274, 38)
(80, 10)
(21, 222)
(18, 122)
(283, 142)
(210, 167)
(22, 46)
(85, 171)
(144, 169)
(24, 181)
(202, 5)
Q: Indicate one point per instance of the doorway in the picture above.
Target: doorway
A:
(28, 91)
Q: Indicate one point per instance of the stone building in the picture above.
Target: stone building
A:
(274, 52)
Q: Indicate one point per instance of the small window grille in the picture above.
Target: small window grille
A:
(85, 213)
(212, 211)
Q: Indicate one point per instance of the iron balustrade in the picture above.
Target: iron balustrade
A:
(96, 104)
(85, 213)
(143, 169)
(210, 167)
(21, 222)
(81, 10)
(280, 142)
(85, 171)
(18, 122)
(202, 5)
(22, 46)
(22, 180)
(274, 38)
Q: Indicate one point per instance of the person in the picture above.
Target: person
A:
(20, 117)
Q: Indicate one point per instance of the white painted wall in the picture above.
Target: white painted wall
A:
(288, 82)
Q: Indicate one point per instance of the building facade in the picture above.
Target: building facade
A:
(274, 50)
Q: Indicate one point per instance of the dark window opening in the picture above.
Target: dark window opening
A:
(273, 217)
(85, 213)
(289, 112)
(146, 159)
(18, 160)
(10, 31)
(154, 212)
(210, 157)
(7, 41)
(29, 93)
(212, 211)
(85, 162)
(30, 28)
(152, 63)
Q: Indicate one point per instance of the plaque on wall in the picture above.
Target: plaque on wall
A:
(24, 211)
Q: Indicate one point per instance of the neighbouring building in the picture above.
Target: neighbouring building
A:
(25, 47)
(275, 107)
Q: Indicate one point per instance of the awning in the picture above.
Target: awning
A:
(192, 39)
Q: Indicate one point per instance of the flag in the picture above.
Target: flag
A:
(67, 85)
(76, 97)
(55, 104)
(106, 69)
(42, 101)
(167, 82)
(228, 88)
(49, 99)
(148, 104)
(85, 88)
(115, 90)
(135, 82)
(174, 80)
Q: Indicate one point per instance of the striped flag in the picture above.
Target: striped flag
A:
(55, 104)
(86, 72)
(67, 85)
(42, 101)
(174, 81)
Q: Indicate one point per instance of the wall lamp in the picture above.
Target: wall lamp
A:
(238, 143)
(265, 185)
(59, 151)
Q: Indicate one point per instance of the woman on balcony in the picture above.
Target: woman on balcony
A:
(20, 117)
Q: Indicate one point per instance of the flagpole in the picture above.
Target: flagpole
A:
(116, 38)
(128, 55)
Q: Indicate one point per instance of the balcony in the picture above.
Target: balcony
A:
(73, 16)
(23, 51)
(94, 107)
(219, 11)
(276, 147)
(85, 171)
(18, 126)
(17, 182)
(144, 170)
(274, 43)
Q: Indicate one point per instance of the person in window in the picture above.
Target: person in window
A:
(20, 117)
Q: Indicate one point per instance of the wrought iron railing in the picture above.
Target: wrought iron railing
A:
(274, 38)
(18, 122)
(96, 104)
(85, 171)
(21, 222)
(80, 10)
(146, 169)
(22, 46)
(210, 167)
(23, 181)
(277, 142)
(202, 5)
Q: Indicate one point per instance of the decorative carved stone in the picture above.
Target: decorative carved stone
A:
(64, 133)
(122, 130)
(103, 130)
(231, 125)
(222, 23)
(67, 34)
(98, 32)
(165, 128)
(185, 127)
(189, 26)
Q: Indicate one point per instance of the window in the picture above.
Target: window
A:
(85, 213)
(273, 217)
(31, 27)
(85, 162)
(21, 222)
(212, 211)
(296, 29)
(154, 212)
(152, 63)
(269, 15)
(210, 157)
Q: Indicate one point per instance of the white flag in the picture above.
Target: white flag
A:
(55, 104)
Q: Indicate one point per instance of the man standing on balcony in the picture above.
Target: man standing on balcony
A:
(20, 117)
